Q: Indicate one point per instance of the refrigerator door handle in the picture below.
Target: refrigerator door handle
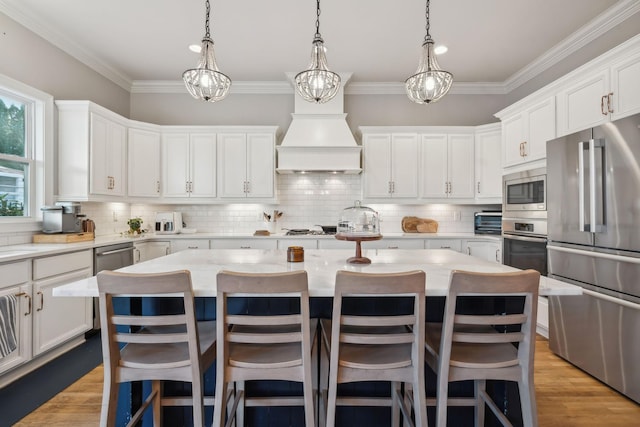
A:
(582, 147)
(596, 171)
(618, 301)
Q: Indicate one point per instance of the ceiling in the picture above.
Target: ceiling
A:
(491, 42)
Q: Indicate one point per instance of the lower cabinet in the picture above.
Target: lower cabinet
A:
(144, 251)
(43, 322)
(393, 244)
(487, 250)
(255, 243)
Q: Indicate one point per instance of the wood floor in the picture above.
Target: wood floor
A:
(567, 397)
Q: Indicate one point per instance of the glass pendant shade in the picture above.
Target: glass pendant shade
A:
(317, 84)
(429, 83)
(206, 82)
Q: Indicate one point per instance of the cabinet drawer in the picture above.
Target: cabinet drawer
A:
(393, 244)
(58, 264)
(256, 243)
(183, 244)
(14, 273)
(453, 244)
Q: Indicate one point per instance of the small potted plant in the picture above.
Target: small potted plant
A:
(134, 225)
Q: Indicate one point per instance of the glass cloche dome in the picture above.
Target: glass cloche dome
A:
(359, 220)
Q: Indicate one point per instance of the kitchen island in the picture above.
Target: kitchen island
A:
(321, 266)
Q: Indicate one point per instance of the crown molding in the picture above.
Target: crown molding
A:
(244, 88)
(66, 44)
(584, 35)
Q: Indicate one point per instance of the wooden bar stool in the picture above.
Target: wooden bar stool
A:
(272, 347)
(377, 347)
(474, 347)
(162, 348)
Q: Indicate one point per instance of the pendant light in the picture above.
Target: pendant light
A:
(206, 82)
(317, 84)
(429, 83)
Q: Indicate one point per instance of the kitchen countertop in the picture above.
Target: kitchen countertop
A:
(321, 266)
(33, 250)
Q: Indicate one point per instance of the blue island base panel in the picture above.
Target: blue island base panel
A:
(505, 395)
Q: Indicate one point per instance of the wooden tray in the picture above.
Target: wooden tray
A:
(63, 237)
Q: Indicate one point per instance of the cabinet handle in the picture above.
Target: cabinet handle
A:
(389, 187)
(392, 247)
(192, 247)
(478, 187)
(248, 186)
(157, 186)
(468, 251)
(190, 186)
(609, 107)
(445, 247)
(604, 113)
(41, 301)
(497, 255)
(27, 296)
(245, 247)
(186, 186)
(393, 186)
(524, 149)
(521, 149)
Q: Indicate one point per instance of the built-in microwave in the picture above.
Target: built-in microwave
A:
(525, 193)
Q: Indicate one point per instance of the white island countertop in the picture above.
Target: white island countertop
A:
(321, 266)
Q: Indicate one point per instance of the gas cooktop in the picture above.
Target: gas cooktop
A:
(306, 231)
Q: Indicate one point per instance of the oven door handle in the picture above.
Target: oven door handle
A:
(524, 238)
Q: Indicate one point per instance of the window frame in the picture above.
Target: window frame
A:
(39, 153)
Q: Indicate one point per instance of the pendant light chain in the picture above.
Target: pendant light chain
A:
(427, 26)
(207, 34)
(317, 18)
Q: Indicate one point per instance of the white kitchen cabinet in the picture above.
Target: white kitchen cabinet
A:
(607, 93)
(447, 166)
(144, 251)
(543, 317)
(59, 319)
(16, 284)
(91, 152)
(453, 244)
(486, 250)
(488, 163)
(250, 243)
(390, 165)
(246, 164)
(305, 243)
(178, 245)
(525, 133)
(143, 154)
(391, 243)
(189, 165)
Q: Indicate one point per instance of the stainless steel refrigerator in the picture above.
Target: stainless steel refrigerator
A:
(593, 204)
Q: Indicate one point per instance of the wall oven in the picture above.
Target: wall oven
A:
(524, 220)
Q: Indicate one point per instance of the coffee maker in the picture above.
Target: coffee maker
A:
(64, 217)
(168, 222)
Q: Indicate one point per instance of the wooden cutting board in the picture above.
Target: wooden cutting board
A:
(412, 224)
(63, 237)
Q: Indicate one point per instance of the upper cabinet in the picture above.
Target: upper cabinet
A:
(607, 93)
(526, 132)
(189, 165)
(91, 152)
(390, 165)
(488, 163)
(144, 163)
(246, 164)
(447, 166)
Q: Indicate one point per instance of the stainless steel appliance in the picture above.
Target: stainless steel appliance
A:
(594, 242)
(64, 217)
(525, 193)
(524, 220)
(487, 222)
(168, 222)
(110, 257)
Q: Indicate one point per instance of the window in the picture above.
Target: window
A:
(26, 160)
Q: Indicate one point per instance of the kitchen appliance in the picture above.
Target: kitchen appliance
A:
(168, 222)
(63, 217)
(525, 193)
(594, 242)
(487, 222)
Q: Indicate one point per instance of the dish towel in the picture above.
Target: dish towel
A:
(8, 341)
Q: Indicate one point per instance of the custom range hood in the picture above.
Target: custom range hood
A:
(319, 139)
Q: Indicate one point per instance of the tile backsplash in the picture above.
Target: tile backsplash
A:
(306, 200)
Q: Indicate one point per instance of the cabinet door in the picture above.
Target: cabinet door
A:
(144, 163)
(377, 166)
(15, 282)
(232, 164)
(488, 251)
(260, 165)
(488, 165)
(145, 251)
(583, 105)
(202, 163)
(625, 87)
(404, 165)
(108, 141)
(513, 136)
(460, 162)
(58, 319)
(175, 165)
(434, 166)
(541, 127)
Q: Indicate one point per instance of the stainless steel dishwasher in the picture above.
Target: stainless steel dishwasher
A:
(110, 257)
